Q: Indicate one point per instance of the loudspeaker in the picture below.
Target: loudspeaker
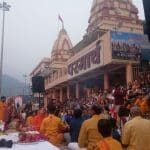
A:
(38, 84)
(146, 4)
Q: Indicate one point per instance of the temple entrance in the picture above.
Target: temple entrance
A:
(91, 86)
(117, 77)
(72, 91)
(64, 93)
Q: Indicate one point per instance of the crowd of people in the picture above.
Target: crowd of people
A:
(111, 120)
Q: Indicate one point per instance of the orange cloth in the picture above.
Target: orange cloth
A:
(37, 121)
(108, 144)
(29, 120)
(51, 127)
(129, 106)
(3, 109)
(144, 107)
(138, 102)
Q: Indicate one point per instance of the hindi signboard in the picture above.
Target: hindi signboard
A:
(127, 46)
(90, 60)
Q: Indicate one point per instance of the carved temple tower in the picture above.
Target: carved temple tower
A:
(58, 64)
(61, 49)
(120, 15)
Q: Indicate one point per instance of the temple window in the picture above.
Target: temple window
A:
(111, 12)
(60, 73)
(123, 6)
(128, 6)
(133, 15)
(97, 9)
(133, 21)
(99, 14)
(116, 4)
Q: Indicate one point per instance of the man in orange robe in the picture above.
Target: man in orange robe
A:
(107, 143)
(145, 105)
(30, 118)
(37, 120)
(52, 126)
(3, 109)
(139, 100)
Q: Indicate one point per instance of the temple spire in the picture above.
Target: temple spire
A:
(61, 46)
(119, 15)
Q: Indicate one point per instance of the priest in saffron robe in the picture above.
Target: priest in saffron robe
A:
(52, 126)
(30, 118)
(3, 109)
(37, 120)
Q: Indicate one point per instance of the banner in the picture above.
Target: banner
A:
(18, 101)
(127, 46)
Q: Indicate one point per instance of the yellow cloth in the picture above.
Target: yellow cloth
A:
(51, 127)
(136, 134)
(89, 134)
(29, 120)
(3, 109)
(108, 144)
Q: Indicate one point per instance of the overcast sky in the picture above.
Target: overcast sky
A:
(32, 27)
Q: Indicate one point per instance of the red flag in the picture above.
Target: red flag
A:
(59, 17)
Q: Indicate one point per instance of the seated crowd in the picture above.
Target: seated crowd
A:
(110, 120)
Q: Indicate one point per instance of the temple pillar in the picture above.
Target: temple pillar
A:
(106, 80)
(77, 90)
(68, 91)
(129, 73)
(61, 94)
(45, 100)
(54, 94)
(88, 91)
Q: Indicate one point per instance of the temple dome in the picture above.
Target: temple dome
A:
(62, 42)
(61, 48)
(110, 14)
